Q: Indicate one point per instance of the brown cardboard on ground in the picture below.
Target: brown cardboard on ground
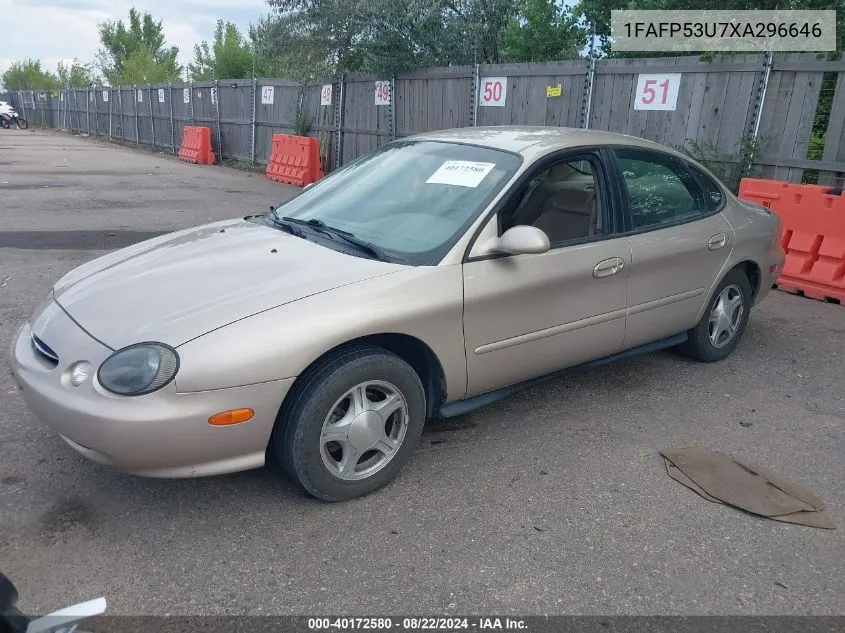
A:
(723, 479)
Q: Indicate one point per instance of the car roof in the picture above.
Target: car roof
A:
(534, 141)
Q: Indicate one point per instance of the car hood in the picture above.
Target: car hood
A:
(179, 286)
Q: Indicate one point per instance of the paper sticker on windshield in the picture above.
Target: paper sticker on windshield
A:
(463, 173)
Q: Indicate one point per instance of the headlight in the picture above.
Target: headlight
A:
(139, 369)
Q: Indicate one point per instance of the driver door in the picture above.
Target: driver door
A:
(529, 315)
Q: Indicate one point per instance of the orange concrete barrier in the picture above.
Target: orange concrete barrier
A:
(813, 234)
(294, 160)
(196, 145)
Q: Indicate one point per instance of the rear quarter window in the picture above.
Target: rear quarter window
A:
(714, 196)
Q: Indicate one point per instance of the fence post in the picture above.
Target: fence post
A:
(217, 119)
(761, 92)
(191, 99)
(474, 92)
(392, 111)
(253, 124)
(172, 127)
(587, 107)
(88, 111)
(338, 115)
(152, 121)
(135, 102)
(20, 103)
(120, 109)
(110, 113)
(754, 127)
(78, 126)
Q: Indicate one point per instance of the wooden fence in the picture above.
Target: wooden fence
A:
(762, 107)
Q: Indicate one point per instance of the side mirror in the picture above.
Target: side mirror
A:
(519, 240)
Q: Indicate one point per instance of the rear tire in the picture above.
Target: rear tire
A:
(723, 322)
(350, 424)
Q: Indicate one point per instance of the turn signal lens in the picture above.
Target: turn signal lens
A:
(235, 416)
(80, 373)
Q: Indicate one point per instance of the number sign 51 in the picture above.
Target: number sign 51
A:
(657, 92)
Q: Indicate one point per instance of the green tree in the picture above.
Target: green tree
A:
(140, 40)
(229, 56)
(274, 61)
(542, 31)
(76, 75)
(141, 67)
(387, 35)
(27, 74)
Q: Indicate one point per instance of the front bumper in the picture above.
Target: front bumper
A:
(162, 434)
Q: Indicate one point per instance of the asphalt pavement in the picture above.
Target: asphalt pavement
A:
(553, 501)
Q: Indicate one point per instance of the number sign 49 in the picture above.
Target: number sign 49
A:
(382, 93)
(326, 95)
(493, 91)
(657, 92)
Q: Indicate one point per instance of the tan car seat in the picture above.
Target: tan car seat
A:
(569, 214)
(562, 210)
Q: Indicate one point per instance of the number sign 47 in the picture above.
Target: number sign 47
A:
(657, 92)
(268, 95)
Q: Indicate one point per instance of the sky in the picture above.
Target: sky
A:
(55, 30)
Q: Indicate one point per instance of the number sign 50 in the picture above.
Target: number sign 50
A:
(493, 91)
(657, 92)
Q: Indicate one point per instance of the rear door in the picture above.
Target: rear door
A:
(680, 242)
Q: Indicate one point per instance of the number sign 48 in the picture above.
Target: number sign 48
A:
(657, 92)
(493, 91)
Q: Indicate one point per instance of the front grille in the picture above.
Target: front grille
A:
(44, 351)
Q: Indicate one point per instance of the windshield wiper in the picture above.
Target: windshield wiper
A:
(284, 224)
(346, 236)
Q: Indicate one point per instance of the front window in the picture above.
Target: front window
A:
(411, 199)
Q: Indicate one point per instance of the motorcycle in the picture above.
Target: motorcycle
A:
(9, 117)
(61, 621)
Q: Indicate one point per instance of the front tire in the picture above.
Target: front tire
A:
(724, 321)
(22, 124)
(350, 424)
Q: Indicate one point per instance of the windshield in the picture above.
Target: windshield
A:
(413, 200)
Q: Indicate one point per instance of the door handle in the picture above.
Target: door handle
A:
(608, 267)
(717, 241)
